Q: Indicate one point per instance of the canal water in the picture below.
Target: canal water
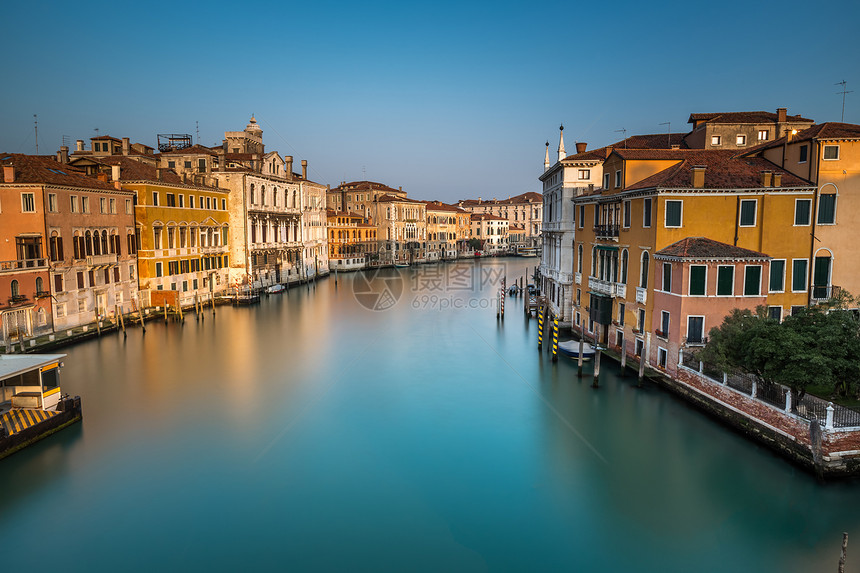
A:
(394, 424)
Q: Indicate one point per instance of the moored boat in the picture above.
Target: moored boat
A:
(571, 348)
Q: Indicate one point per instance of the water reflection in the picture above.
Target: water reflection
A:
(313, 431)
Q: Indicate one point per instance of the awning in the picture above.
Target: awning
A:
(606, 247)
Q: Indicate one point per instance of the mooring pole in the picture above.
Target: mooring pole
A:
(844, 551)
(555, 339)
(642, 364)
(624, 359)
(580, 360)
(540, 329)
(597, 353)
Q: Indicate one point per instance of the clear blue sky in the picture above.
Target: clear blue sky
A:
(447, 99)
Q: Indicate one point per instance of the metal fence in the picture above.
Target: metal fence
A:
(809, 407)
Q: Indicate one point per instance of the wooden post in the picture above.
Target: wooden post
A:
(642, 365)
(212, 300)
(597, 353)
(844, 551)
(179, 311)
(580, 360)
(166, 306)
(98, 329)
(197, 307)
(624, 359)
(121, 321)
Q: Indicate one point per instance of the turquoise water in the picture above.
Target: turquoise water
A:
(312, 434)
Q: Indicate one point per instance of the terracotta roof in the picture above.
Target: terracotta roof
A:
(439, 206)
(132, 170)
(598, 154)
(743, 117)
(527, 197)
(102, 137)
(37, 170)
(703, 248)
(826, 130)
(394, 199)
(724, 169)
(195, 149)
(241, 156)
(333, 213)
(486, 217)
(652, 153)
(652, 141)
(365, 186)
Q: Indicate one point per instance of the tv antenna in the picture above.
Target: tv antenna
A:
(843, 83)
(668, 125)
(624, 132)
(197, 127)
(36, 128)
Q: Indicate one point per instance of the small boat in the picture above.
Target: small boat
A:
(571, 348)
(513, 290)
(275, 289)
(401, 265)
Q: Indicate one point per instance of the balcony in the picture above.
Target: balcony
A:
(641, 295)
(23, 265)
(823, 293)
(97, 260)
(607, 287)
(606, 231)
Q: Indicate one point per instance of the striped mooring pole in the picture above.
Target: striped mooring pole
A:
(540, 329)
(555, 339)
(502, 302)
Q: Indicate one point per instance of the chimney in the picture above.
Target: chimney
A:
(9, 173)
(159, 174)
(114, 172)
(580, 146)
(289, 161)
(79, 145)
(675, 146)
(766, 178)
(102, 176)
(789, 135)
(780, 114)
(698, 176)
(125, 145)
(64, 154)
(608, 152)
(305, 169)
(777, 179)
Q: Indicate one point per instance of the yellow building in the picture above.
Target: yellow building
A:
(351, 241)
(828, 155)
(442, 236)
(657, 198)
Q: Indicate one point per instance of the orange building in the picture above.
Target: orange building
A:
(351, 241)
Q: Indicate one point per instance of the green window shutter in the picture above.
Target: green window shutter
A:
(798, 274)
(827, 208)
(697, 280)
(752, 281)
(673, 213)
(777, 276)
(726, 281)
(667, 277)
(801, 212)
(748, 213)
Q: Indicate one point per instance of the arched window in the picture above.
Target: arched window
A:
(275, 197)
(78, 244)
(643, 276)
(14, 287)
(252, 194)
(104, 242)
(579, 258)
(39, 285)
(623, 267)
(89, 244)
(593, 261)
(263, 195)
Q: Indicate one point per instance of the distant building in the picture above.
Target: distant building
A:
(525, 211)
(351, 241)
(442, 231)
(358, 196)
(401, 229)
(492, 231)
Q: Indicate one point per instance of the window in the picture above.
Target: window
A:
(748, 212)
(621, 307)
(664, 324)
(618, 178)
(827, 209)
(209, 205)
(821, 277)
(171, 164)
(80, 278)
(763, 134)
(201, 165)
(223, 204)
(802, 211)
(102, 205)
(725, 280)
(752, 280)
(171, 200)
(623, 271)
(191, 201)
(640, 322)
(606, 180)
(28, 203)
(128, 206)
(52, 202)
(674, 213)
(58, 283)
(581, 216)
(777, 276)
(715, 140)
(639, 347)
(112, 203)
(775, 313)
(187, 165)
(85, 204)
(804, 154)
(584, 174)
(695, 329)
(667, 277)
(698, 280)
(159, 269)
(643, 271)
(156, 237)
(155, 198)
(627, 214)
(73, 204)
(798, 275)
(182, 200)
(646, 212)
(831, 153)
(741, 139)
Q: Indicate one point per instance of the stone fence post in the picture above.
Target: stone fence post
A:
(754, 390)
(788, 400)
(828, 425)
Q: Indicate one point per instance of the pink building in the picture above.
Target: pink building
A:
(697, 282)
